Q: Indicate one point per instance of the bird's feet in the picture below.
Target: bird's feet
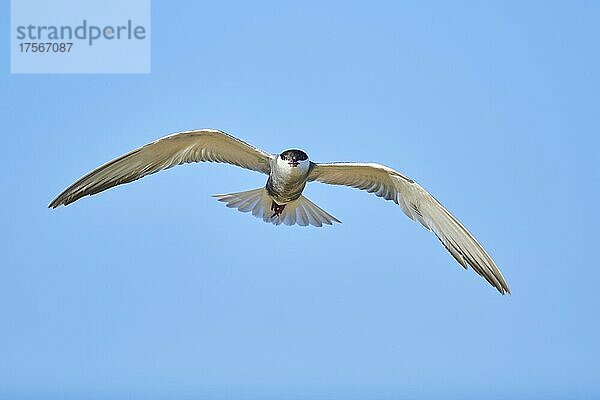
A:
(277, 209)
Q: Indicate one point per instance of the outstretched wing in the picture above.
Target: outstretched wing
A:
(419, 205)
(179, 148)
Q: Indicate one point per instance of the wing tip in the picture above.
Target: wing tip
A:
(505, 290)
(55, 204)
(61, 200)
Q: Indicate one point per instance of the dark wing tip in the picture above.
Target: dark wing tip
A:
(64, 200)
(55, 203)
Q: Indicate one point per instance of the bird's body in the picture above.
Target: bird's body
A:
(287, 179)
(281, 201)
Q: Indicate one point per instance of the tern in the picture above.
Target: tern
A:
(281, 201)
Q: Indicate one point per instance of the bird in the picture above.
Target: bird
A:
(281, 200)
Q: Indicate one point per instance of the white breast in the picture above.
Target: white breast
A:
(286, 183)
(284, 170)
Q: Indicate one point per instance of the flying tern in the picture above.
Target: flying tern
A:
(281, 201)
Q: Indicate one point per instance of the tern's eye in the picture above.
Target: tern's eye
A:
(283, 157)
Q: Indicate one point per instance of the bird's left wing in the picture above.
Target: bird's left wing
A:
(419, 205)
(179, 148)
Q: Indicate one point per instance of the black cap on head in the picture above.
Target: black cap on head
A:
(294, 154)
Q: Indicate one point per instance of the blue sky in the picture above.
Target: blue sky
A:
(156, 290)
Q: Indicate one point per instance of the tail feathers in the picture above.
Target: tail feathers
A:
(256, 201)
(301, 211)
(304, 212)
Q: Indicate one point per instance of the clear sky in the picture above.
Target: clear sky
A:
(156, 290)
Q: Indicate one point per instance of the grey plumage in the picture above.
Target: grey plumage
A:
(418, 205)
(281, 200)
(180, 148)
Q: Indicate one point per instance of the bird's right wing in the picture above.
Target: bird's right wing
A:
(179, 148)
(419, 205)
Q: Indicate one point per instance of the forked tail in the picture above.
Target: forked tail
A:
(300, 211)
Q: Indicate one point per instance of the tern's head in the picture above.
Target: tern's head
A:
(294, 158)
